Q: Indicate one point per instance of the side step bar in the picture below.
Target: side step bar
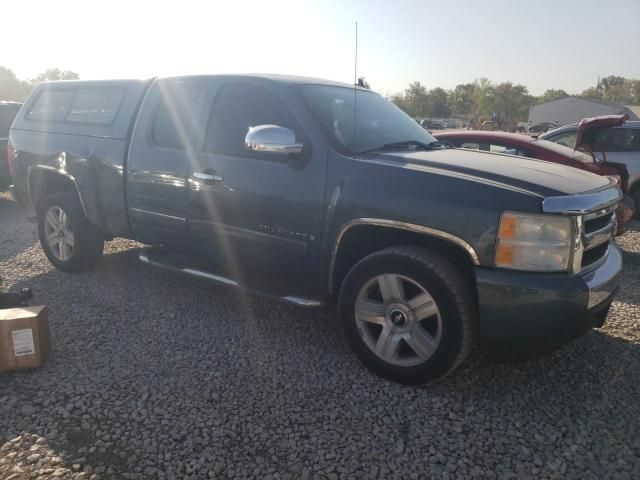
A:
(291, 299)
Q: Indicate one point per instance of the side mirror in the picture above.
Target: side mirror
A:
(272, 139)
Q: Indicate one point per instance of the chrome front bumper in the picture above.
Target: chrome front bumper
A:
(604, 280)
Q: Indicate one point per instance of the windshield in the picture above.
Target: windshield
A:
(377, 121)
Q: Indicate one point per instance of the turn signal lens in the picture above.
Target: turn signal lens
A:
(508, 226)
(533, 242)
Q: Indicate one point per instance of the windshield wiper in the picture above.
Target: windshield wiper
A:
(407, 143)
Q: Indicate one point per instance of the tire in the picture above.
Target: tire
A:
(82, 242)
(415, 309)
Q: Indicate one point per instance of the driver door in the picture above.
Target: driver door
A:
(251, 209)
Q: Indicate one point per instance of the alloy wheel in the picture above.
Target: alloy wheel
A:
(398, 320)
(59, 233)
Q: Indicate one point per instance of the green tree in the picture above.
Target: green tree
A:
(484, 97)
(485, 100)
(620, 91)
(437, 105)
(512, 101)
(416, 99)
(11, 88)
(54, 74)
(399, 101)
(461, 99)
(635, 91)
(592, 92)
(611, 81)
(551, 95)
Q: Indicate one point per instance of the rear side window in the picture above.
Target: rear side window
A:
(619, 140)
(51, 105)
(95, 105)
(174, 116)
(238, 107)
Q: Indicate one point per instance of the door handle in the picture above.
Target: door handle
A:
(208, 176)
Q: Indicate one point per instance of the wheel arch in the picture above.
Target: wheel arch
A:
(360, 237)
(43, 181)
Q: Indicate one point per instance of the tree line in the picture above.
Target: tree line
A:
(12, 88)
(503, 101)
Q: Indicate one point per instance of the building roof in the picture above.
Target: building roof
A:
(586, 99)
(635, 109)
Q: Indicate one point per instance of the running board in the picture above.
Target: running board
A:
(222, 280)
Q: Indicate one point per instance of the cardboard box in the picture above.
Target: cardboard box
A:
(24, 337)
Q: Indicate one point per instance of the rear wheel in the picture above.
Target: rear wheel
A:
(69, 240)
(408, 314)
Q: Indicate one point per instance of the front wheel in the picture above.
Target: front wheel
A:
(70, 241)
(408, 314)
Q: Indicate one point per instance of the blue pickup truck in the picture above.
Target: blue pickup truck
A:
(320, 193)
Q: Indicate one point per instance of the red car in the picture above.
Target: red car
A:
(527, 146)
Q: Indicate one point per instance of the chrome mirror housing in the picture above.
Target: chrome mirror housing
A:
(272, 139)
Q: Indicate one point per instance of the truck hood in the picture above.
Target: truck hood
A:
(537, 177)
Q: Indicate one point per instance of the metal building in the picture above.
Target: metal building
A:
(573, 109)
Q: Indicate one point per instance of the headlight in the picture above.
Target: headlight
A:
(534, 242)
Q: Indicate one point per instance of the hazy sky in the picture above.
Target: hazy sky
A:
(541, 43)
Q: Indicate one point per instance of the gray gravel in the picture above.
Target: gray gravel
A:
(153, 375)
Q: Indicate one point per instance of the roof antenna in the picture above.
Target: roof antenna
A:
(355, 90)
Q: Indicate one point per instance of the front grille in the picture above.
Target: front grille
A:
(589, 257)
(593, 225)
(598, 229)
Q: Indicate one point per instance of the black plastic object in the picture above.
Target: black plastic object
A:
(20, 299)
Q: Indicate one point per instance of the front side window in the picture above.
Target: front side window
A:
(238, 107)
(95, 105)
(174, 116)
(619, 140)
(356, 121)
(567, 139)
(51, 105)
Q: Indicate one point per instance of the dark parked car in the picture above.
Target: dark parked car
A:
(273, 185)
(526, 146)
(542, 127)
(432, 125)
(617, 141)
(8, 111)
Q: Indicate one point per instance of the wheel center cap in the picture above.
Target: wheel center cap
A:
(398, 318)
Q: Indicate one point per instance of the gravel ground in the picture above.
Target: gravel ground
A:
(153, 375)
